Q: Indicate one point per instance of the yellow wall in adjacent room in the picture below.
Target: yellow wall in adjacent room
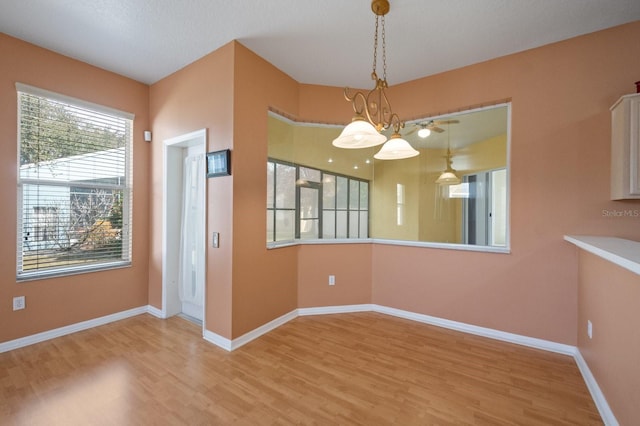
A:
(392, 216)
(440, 216)
(310, 145)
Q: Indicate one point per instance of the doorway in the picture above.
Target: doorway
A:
(184, 233)
(485, 208)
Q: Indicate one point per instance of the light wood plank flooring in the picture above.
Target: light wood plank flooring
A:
(361, 368)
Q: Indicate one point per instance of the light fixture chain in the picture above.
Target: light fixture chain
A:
(375, 46)
(384, 52)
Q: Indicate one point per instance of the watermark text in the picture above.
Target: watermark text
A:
(621, 213)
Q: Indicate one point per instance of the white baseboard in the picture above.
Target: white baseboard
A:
(598, 397)
(340, 309)
(152, 310)
(231, 345)
(263, 329)
(217, 340)
(62, 331)
(518, 339)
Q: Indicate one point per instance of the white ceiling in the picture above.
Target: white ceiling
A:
(326, 42)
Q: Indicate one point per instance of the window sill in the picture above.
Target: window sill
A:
(445, 246)
(32, 276)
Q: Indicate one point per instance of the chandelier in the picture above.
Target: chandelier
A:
(372, 111)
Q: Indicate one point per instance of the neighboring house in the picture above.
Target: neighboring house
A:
(66, 184)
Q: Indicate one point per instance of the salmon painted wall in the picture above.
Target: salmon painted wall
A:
(559, 184)
(57, 302)
(349, 263)
(196, 97)
(264, 281)
(560, 154)
(609, 296)
(228, 92)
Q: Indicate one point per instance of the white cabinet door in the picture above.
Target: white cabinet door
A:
(625, 148)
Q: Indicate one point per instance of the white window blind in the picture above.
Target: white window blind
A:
(74, 185)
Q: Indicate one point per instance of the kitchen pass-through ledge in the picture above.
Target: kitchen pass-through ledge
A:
(624, 253)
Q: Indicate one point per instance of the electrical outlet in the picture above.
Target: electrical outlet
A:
(332, 280)
(589, 329)
(18, 303)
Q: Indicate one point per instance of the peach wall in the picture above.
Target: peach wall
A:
(349, 263)
(228, 92)
(609, 296)
(56, 302)
(264, 281)
(559, 185)
(196, 97)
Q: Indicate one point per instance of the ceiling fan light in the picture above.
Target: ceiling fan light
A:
(396, 148)
(424, 132)
(359, 134)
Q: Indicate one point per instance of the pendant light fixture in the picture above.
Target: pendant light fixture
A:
(372, 112)
(448, 177)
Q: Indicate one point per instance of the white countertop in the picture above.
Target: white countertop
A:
(624, 253)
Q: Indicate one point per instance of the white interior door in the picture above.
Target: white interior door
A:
(175, 151)
(192, 233)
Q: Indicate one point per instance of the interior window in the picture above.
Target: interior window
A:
(314, 204)
(412, 199)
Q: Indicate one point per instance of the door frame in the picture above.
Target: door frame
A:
(171, 215)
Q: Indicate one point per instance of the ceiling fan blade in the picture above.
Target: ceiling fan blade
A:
(435, 129)
(412, 131)
(440, 122)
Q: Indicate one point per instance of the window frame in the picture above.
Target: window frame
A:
(319, 186)
(123, 188)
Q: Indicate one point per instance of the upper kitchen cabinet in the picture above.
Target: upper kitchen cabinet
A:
(625, 148)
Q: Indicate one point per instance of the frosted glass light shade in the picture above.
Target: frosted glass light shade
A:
(396, 148)
(359, 134)
(423, 133)
(448, 177)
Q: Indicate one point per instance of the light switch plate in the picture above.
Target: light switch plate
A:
(215, 241)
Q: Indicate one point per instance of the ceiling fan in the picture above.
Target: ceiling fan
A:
(424, 129)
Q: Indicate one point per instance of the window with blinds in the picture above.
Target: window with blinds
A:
(74, 185)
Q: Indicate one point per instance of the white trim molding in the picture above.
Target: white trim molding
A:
(158, 313)
(598, 397)
(340, 309)
(518, 339)
(218, 340)
(234, 344)
(69, 329)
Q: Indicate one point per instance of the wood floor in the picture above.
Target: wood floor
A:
(361, 368)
